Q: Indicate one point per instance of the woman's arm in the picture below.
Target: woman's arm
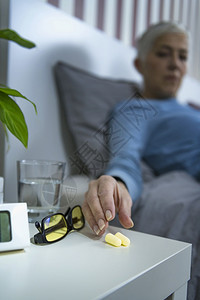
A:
(107, 196)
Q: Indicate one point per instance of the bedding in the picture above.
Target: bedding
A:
(170, 207)
(170, 203)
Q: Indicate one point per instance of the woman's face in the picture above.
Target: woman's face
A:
(164, 66)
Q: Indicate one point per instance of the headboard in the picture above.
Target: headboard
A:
(58, 37)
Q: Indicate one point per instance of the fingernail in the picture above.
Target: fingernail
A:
(108, 215)
(132, 223)
(96, 229)
(101, 224)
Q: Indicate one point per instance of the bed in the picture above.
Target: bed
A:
(75, 76)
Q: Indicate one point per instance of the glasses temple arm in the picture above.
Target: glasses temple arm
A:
(67, 212)
(37, 225)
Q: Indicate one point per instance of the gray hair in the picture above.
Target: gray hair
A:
(147, 40)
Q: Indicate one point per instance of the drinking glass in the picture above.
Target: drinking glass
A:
(39, 185)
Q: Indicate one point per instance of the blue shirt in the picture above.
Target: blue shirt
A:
(164, 133)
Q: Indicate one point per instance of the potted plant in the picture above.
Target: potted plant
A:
(11, 115)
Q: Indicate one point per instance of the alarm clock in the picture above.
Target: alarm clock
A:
(14, 226)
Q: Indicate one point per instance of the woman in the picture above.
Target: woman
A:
(166, 140)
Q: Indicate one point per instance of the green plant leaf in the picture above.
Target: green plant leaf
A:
(12, 35)
(15, 93)
(12, 116)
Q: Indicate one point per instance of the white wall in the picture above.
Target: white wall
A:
(4, 12)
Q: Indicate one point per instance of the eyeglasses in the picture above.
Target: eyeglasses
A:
(55, 227)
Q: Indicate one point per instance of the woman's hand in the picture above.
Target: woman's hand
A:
(106, 197)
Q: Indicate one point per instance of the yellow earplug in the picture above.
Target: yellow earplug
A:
(113, 240)
(124, 240)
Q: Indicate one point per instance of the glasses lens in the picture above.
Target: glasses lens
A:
(77, 218)
(55, 228)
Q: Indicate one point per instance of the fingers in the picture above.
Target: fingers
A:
(91, 220)
(125, 219)
(98, 206)
(106, 190)
(124, 206)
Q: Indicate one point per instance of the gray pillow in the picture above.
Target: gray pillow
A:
(87, 100)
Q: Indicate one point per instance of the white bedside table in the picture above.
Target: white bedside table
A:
(82, 266)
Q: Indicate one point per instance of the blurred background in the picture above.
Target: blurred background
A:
(126, 19)
(31, 71)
